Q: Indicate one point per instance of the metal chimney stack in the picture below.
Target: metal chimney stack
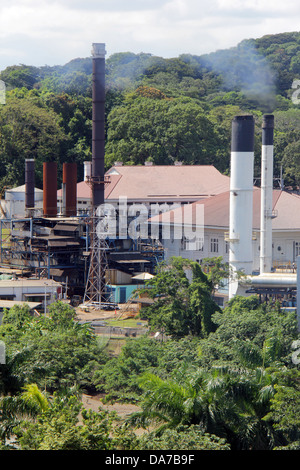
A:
(87, 170)
(69, 189)
(50, 189)
(241, 199)
(96, 288)
(29, 186)
(266, 194)
(98, 124)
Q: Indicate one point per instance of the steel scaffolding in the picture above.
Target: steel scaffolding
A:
(96, 293)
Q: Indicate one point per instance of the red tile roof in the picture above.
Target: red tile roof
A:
(286, 207)
(172, 182)
(160, 183)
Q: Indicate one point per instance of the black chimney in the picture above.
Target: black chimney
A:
(29, 186)
(98, 129)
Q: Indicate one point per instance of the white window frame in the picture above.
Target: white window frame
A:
(214, 245)
(296, 249)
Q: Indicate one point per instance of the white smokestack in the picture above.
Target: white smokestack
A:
(87, 170)
(241, 199)
(266, 194)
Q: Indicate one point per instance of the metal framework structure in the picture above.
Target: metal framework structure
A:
(22, 248)
(96, 293)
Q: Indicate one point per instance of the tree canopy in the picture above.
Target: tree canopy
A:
(222, 379)
(157, 109)
(182, 296)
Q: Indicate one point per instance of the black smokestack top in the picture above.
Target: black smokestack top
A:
(29, 183)
(268, 129)
(242, 137)
(98, 129)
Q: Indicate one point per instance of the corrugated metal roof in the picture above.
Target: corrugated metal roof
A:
(65, 227)
(21, 189)
(62, 243)
(11, 303)
(29, 283)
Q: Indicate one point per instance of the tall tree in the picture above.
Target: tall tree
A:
(230, 402)
(163, 130)
(28, 130)
(182, 306)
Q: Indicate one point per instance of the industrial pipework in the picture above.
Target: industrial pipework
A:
(241, 199)
(87, 170)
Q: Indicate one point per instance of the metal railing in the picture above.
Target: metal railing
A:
(283, 265)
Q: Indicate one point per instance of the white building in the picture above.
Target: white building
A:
(30, 290)
(13, 206)
(285, 229)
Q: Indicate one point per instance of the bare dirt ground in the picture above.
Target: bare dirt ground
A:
(122, 409)
(91, 315)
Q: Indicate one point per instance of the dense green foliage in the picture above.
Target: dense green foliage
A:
(59, 428)
(181, 306)
(53, 351)
(239, 383)
(235, 387)
(157, 109)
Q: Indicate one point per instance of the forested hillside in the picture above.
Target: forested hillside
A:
(162, 110)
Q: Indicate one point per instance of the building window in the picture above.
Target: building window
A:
(183, 243)
(214, 245)
(296, 250)
(226, 247)
(199, 244)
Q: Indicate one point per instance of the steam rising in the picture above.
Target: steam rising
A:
(244, 69)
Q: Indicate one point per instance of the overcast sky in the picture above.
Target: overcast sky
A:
(53, 32)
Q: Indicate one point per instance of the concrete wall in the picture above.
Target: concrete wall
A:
(284, 249)
(213, 240)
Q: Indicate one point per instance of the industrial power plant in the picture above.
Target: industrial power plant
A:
(267, 283)
(49, 245)
(46, 238)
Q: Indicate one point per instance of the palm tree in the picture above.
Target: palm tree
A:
(225, 401)
(196, 398)
(263, 364)
(29, 403)
(34, 399)
(11, 373)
